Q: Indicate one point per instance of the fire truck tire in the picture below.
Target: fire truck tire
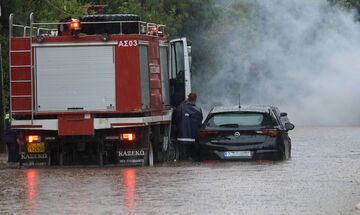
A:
(171, 151)
(149, 157)
(177, 151)
(61, 159)
(101, 162)
(110, 28)
(49, 160)
(155, 141)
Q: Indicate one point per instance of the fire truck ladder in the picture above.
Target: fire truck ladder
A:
(26, 67)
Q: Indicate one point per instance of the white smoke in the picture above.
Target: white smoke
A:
(303, 56)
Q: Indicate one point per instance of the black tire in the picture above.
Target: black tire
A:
(177, 150)
(172, 151)
(149, 157)
(289, 151)
(281, 155)
(110, 28)
(196, 153)
(155, 141)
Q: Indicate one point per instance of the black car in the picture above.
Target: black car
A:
(245, 133)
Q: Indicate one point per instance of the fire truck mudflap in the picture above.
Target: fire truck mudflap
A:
(34, 159)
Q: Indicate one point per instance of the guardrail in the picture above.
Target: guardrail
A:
(144, 28)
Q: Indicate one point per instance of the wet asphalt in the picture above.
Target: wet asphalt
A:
(322, 177)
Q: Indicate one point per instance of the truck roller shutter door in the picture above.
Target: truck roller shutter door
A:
(75, 78)
(144, 76)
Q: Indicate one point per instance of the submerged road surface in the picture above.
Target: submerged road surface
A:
(323, 177)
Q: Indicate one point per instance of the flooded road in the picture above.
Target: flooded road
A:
(322, 177)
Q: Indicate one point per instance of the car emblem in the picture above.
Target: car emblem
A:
(237, 134)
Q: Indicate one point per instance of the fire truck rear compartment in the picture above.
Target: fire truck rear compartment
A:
(72, 78)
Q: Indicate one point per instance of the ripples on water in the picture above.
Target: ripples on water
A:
(321, 178)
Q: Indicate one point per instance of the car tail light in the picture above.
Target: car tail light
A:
(271, 132)
(75, 24)
(127, 136)
(207, 133)
(33, 138)
(154, 28)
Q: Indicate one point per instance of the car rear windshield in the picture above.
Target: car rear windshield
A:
(237, 119)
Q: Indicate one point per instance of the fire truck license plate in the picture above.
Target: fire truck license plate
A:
(36, 147)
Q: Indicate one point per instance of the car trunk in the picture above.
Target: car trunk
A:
(238, 137)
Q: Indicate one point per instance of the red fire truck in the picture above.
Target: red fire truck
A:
(97, 90)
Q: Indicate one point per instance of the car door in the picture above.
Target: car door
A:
(179, 72)
(284, 134)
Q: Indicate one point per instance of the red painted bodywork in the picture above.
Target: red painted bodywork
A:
(75, 124)
(128, 86)
(21, 90)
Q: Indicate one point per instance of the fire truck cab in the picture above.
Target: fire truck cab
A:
(95, 91)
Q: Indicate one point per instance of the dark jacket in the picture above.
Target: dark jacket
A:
(188, 121)
(10, 134)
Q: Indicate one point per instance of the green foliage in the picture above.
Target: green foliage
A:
(180, 17)
(348, 5)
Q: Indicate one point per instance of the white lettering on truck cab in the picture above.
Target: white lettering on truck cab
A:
(127, 43)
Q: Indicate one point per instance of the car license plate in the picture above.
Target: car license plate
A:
(243, 154)
(36, 147)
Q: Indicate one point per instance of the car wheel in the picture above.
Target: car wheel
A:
(281, 155)
(289, 151)
(284, 157)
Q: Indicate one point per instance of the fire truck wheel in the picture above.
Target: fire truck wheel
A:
(149, 157)
(101, 162)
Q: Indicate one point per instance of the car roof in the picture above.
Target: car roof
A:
(243, 108)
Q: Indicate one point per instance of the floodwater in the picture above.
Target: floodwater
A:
(322, 177)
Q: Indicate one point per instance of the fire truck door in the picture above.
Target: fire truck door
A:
(180, 73)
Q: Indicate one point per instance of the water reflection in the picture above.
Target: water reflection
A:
(129, 180)
(32, 188)
(317, 180)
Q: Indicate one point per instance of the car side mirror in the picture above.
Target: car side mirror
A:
(289, 126)
(283, 114)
